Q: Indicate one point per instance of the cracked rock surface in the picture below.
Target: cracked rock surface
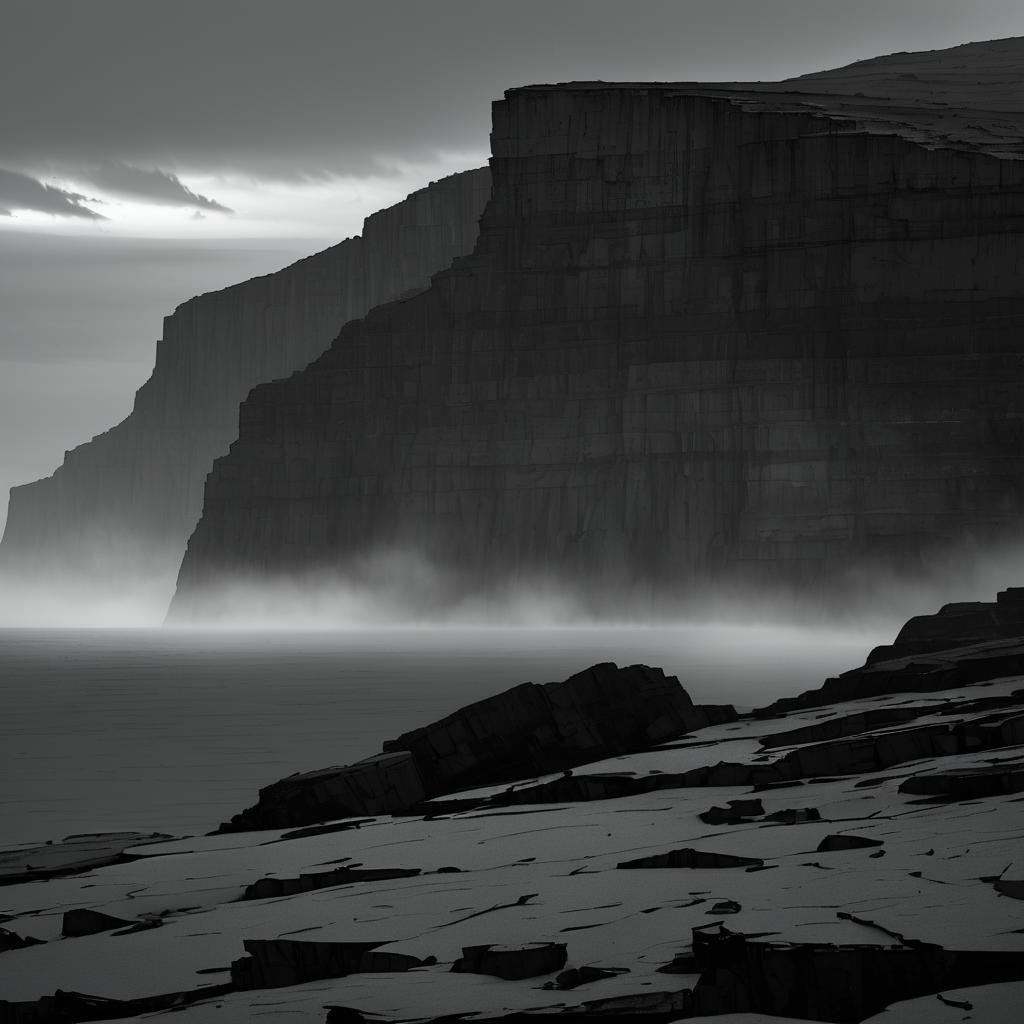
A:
(859, 893)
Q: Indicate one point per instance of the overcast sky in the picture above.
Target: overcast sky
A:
(150, 150)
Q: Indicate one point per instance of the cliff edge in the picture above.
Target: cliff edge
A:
(758, 332)
(121, 507)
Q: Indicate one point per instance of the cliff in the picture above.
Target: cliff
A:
(755, 331)
(123, 505)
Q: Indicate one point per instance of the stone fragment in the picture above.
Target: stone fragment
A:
(831, 983)
(82, 921)
(270, 888)
(794, 815)
(384, 784)
(274, 963)
(10, 940)
(835, 843)
(845, 725)
(576, 976)
(1014, 888)
(71, 856)
(724, 907)
(65, 1007)
(737, 811)
(323, 830)
(512, 962)
(688, 858)
(967, 783)
(681, 963)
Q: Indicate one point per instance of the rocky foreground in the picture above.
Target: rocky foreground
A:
(596, 848)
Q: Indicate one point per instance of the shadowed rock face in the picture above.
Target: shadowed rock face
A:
(760, 332)
(600, 712)
(125, 502)
(831, 982)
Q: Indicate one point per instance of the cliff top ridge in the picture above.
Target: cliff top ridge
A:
(968, 97)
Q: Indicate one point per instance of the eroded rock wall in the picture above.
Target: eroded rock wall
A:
(693, 339)
(124, 503)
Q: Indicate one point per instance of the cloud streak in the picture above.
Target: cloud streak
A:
(318, 87)
(22, 192)
(153, 186)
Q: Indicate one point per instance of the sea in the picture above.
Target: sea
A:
(174, 730)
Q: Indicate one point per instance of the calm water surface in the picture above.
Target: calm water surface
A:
(170, 730)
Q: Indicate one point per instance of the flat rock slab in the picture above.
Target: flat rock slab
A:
(371, 920)
(72, 855)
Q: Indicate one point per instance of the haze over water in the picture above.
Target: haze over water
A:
(175, 730)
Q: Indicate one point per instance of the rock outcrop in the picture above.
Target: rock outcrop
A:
(272, 963)
(963, 643)
(825, 982)
(757, 332)
(961, 624)
(527, 730)
(901, 885)
(123, 505)
(512, 963)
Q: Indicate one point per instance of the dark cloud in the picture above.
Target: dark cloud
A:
(21, 192)
(350, 87)
(155, 186)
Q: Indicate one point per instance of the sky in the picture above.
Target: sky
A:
(150, 151)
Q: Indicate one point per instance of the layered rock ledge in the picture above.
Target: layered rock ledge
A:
(528, 730)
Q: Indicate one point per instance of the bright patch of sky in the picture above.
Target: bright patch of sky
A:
(327, 206)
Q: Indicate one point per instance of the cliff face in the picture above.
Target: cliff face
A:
(761, 332)
(124, 504)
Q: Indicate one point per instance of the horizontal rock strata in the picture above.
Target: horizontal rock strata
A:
(706, 333)
(124, 504)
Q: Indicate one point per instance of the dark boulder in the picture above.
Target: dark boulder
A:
(738, 811)
(794, 815)
(10, 940)
(270, 888)
(512, 962)
(834, 843)
(90, 922)
(274, 963)
(383, 784)
(688, 858)
(528, 730)
(576, 976)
